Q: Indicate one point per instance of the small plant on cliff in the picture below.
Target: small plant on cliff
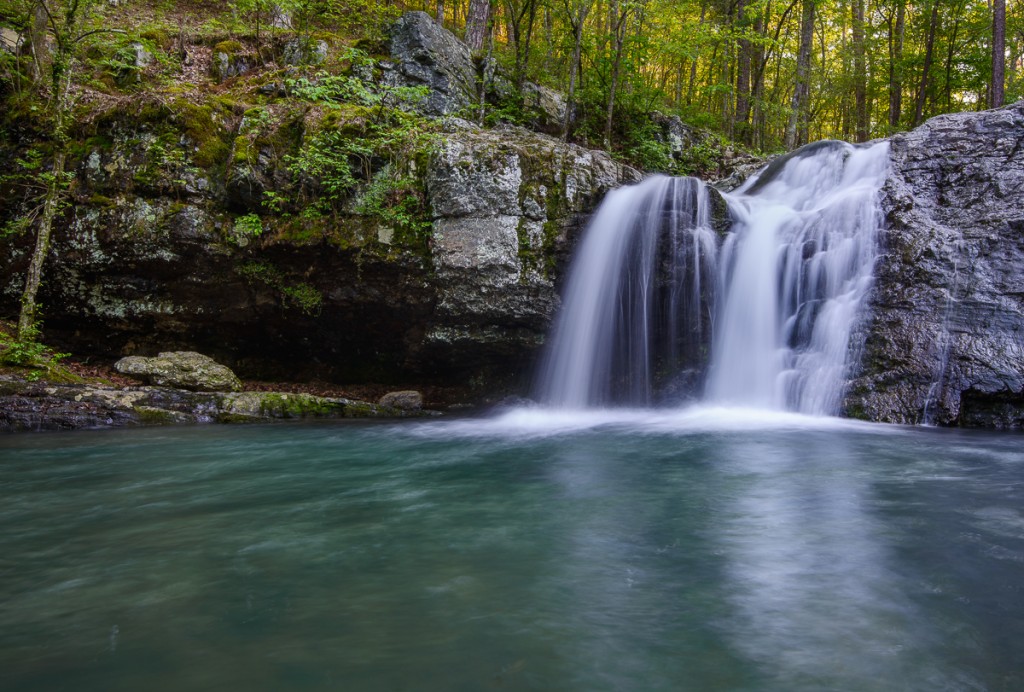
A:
(245, 229)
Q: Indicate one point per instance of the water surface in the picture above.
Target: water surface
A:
(702, 550)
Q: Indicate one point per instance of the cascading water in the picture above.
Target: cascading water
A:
(655, 295)
(633, 303)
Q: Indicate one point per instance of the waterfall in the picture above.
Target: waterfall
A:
(658, 304)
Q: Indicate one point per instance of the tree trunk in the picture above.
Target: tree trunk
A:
(476, 24)
(799, 110)
(922, 91)
(896, 65)
(39, 68)
(860, 83)
(439, 12)
(51, 204)
(582, 9)
(998, 54)
(693, 63)
(742, 115)
(617, 23)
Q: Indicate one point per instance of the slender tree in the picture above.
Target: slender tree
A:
(896, 33)
(860, 82)
(64, 20)
(801, 103)
(998, 53)
(922, 89)
(576, 13)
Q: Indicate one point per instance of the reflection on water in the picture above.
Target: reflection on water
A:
(612, 552)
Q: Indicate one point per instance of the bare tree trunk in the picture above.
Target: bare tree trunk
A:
(582, 9)
(922, 91)
(998, 53)
(476, 23)
(799, 110)
(743, 59)
(51, 204)
(40, 48)
(617, 23)
(439, 12)
(693, 63)
(860, 81)
(896, 65)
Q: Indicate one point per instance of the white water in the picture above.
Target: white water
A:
(607, 334)
(776, 301)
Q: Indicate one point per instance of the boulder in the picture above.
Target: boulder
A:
(230, 61)
(407, 400)
(183, 370)
(423, 53)
(304, 51)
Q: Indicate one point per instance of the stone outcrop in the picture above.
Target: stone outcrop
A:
(425, 54)
(150, 258)
(183, 370)
(26, 407)
(945, 337)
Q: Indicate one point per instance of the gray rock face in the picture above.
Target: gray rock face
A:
(182, 369)
(304, 52)
(501, 201)
(945, 337)
(224, 65)
(426, 54)
(28, 407)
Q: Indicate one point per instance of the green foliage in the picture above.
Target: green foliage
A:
(28, 352)
(395, 200)
(299, 295)
(244, 229)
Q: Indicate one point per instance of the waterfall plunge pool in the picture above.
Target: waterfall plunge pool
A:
(677, 550)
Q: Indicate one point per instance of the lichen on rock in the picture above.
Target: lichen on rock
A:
(182, 369)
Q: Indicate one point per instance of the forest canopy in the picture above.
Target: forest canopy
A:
(769, 74)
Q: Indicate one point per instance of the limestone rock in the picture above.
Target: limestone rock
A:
(182, 369)
(10, 40)
(426, 54)
(300, 51)
(406, 400)
(229, 61)
(944, 341)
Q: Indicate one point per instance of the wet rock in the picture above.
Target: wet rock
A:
(944, 341)
(28, 407)
(406, 400)
(181, 369)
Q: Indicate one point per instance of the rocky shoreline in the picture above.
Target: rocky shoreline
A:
(36, 406)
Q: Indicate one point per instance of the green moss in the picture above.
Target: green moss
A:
(298, 406)
(361, 409)
(229, 47)
(244, 153)
(200, 124)
(149, 415)
(299, 294)
(101, 201)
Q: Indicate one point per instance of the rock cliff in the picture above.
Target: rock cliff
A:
(142, 264)
(945, 336)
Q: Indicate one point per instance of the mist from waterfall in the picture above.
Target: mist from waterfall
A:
(658, 306)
